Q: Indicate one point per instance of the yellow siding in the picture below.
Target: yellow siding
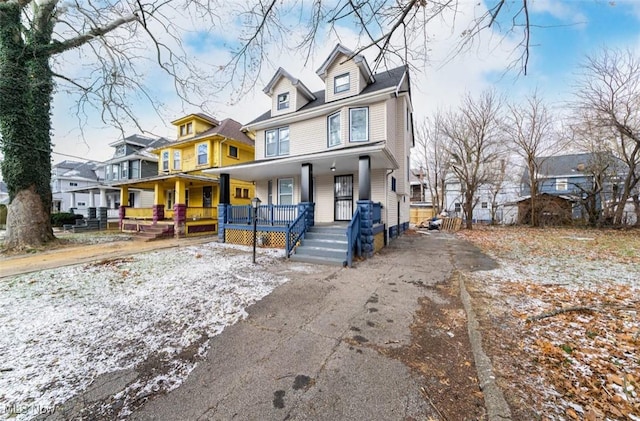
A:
(201, 126)
(188, 158)
(195, 197)
(240, 200)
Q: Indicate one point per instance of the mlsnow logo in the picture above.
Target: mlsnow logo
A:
(16, 409)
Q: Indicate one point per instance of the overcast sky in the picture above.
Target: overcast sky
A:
(565, 31)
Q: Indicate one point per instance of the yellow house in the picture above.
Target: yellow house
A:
(186, 198)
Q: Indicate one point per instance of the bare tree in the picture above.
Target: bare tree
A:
(529, 127)
(607, 100)
(496, 183)
(432, 155)
(474, 134)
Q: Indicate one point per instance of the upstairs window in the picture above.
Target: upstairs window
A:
(341, 83)
(359, 124)
(333, 129)
(176, 160)
(73, 184)
(283, 101)
(233, 151)
(393, 184)
(562, 184)
(277, 142)
(186, 129)
(124, 170)
(165, 160)
(134, 171)
(120, 150)
(203, 153)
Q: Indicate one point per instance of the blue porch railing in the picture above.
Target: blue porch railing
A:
(267, 214)
(295, 231)
(353, 237)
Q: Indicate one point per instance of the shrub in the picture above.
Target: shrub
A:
(61, 218)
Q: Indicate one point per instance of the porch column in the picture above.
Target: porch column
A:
(72, 202)
(124, 200)
(92, 199)
(103, 198)
(223, 204)
(306, 183)
(102, 216)
(366, 227)
(364, 178)
(158, 202)
(180, 209)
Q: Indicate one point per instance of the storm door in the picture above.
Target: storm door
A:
(343, 197)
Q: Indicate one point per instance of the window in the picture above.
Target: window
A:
(233, 151)
(359, 124)
(457, 207)
(124, 170)
(393, 184)
(285, 191)
(120, 150)
(485, 205)
(277, 142)
(186, 129)
(82, 204)
(203, 153)
(333, 126)
(115, 171)
(238, 192)
(176, 160)
(165, 160)
(562, 184)
(245, 193)
(283, 101)
(341, 83)
(135, 169)
(73, 184)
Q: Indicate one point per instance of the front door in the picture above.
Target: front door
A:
(206, 196)
(343, 197)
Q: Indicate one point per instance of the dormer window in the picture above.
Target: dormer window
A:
(341, 83)
(186, 129)
(283, 101)
(120, 150)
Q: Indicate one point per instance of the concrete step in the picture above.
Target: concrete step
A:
(321, 252)
(318, 260)
(326, 243)
(311, 235)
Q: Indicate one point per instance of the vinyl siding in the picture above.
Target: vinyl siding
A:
(339, 68)
(310, 136)
(283, 86)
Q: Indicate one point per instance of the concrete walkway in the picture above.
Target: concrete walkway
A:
(312, 349)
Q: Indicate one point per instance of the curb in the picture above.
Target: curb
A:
(497, 407)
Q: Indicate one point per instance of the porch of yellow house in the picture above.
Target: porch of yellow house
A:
(186, 217)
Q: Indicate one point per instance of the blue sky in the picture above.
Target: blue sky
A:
(564, 32)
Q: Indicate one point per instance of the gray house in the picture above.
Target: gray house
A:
(69, 176)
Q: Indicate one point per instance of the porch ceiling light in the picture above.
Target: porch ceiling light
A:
(333, 168)
(255, 202)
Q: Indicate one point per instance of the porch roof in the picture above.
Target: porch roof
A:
(344, 160)
(94, 188)
(150, 182)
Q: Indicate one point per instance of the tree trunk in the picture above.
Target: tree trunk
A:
(27, 221)
(468, 210)
(25, 104)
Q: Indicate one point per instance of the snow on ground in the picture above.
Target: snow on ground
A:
(572, 298)
(61, 328)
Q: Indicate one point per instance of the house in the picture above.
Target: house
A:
(573, 176)
(67, 177)
(185, 198)
(4, 193)
(337, 156)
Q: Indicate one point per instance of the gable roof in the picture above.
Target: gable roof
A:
(136, 140)
(576, 165)
(228, 128)
(297, 83)
(359, 59)
(201, 116)
(75, 169)
(385, 79)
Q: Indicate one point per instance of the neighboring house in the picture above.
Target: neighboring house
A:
(67, 177)
(572, 177)
(4, 193)
(184, 197)
(485, 199)
(332, 152)
(419, 188)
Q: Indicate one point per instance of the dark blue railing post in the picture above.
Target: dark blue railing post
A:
(366, 227)
(309, 208)
(222, 220)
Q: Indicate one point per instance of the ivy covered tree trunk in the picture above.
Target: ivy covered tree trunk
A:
(25, 105)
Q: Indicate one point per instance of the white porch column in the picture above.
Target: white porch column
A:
(103, 198)
(92, 199)
(72, 202)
